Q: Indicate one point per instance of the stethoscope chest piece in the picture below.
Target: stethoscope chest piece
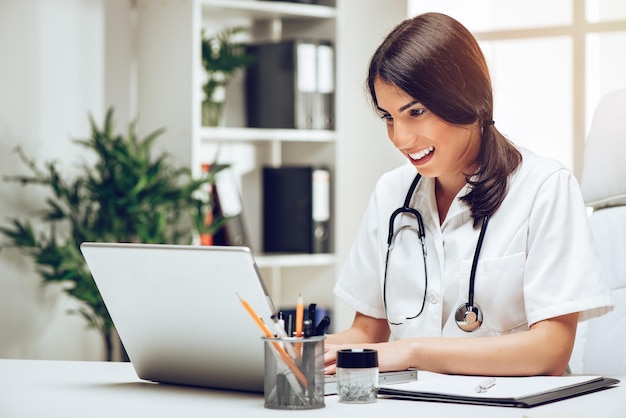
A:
(468, 317)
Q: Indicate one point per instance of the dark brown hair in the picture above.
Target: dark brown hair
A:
(437, 61)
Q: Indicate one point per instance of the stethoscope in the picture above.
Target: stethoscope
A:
(468, 316)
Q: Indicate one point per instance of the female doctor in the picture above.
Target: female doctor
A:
(476, 257)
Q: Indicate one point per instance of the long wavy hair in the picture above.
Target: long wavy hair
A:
(437, 61)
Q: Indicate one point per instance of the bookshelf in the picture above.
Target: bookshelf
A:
(168, 56)
(168, 78)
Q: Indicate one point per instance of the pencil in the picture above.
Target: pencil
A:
(299, 323)
(257, 319)
(299, 316)
(279, 348)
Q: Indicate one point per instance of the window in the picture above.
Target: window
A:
(550, 64)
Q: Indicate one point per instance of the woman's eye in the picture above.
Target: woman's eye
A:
(417, 112)
(387, 118)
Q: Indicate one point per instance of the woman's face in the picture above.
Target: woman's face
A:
(435, 147)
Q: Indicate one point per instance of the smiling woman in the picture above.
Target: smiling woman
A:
(447, 85)
(499, 227)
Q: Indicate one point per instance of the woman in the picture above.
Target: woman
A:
(493, 242)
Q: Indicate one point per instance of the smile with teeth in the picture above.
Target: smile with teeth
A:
(421, 154)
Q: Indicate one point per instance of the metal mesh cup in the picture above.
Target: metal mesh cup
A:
(294, 373)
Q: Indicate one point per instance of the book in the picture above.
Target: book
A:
(521, 392)
(296, 209)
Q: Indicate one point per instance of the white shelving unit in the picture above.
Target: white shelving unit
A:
(169, 74)
(267, 9)
(170, 77)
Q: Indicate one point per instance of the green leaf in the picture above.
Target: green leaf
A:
(126, 195)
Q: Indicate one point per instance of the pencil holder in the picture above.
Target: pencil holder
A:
(294, 373)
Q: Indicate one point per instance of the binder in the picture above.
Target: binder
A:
(228, 204)
(324, 107)
(320, 210)
(518, 392)
(290, 85)
(296, 209)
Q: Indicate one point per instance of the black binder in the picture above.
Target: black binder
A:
(296, 209)
(290, 85)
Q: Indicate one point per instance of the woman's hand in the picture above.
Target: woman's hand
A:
(542, 350)
(364, 333)
(392, 356)
(330, 358)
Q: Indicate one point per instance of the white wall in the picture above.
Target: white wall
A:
(51, 78)
(364, 151)
(56, 57)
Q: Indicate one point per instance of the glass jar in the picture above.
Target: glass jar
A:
(357, 375)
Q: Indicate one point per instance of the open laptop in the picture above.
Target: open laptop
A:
(179, 316)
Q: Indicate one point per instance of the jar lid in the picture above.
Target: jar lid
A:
(357, 358)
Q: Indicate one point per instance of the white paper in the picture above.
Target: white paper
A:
(505, 387)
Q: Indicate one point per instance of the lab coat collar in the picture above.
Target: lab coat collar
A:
(424, 200)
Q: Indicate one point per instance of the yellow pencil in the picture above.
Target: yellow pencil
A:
(299, 316)
(266, 331)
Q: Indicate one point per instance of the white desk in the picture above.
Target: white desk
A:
(36, 388)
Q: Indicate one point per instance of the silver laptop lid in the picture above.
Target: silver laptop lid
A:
(178, 314)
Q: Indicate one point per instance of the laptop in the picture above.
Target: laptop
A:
(177, 311)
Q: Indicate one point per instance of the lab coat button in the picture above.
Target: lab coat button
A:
(433, 297)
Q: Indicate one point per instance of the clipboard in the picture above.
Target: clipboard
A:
(518, 392)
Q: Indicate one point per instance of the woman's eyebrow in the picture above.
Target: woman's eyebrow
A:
(402, 109)
(406, 106)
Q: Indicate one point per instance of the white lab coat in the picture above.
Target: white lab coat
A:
(538, 258)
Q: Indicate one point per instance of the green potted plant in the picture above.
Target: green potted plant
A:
(221, 59)
(126, 196)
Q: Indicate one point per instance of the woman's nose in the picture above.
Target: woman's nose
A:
(401, 135)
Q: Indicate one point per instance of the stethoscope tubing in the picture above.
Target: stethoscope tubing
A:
(469, 306)
(479, 245)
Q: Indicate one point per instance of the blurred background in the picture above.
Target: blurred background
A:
(62, 60)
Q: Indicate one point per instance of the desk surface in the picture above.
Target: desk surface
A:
(37, 388)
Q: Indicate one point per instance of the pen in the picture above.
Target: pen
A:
(281, 351)
(281, 321)
(313, 313)
(486, 385)
(308, 357)
(308, 328)
(280, 331)
(322, 326)
(289, 327)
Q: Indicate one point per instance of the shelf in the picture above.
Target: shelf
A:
(265, 135)
(294, 260)
(268, 9)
